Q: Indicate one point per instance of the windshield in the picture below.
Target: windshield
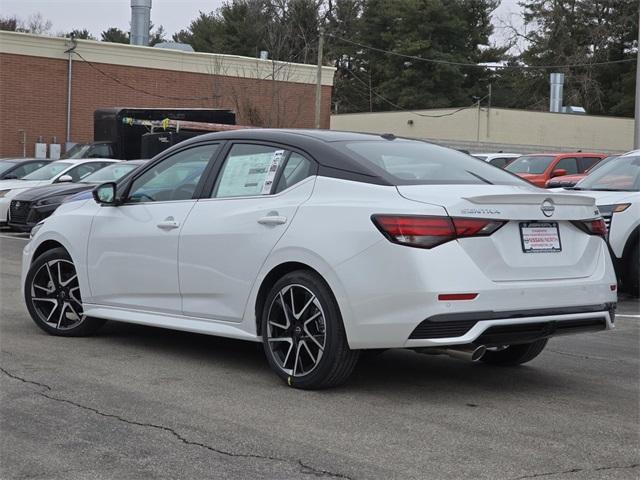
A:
(110, 173)
(621, 174)
(421, 163)
(48, 172)
(535, 164)
(4, 166)
(79, 150)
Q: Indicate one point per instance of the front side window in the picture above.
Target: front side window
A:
(48, 172)
(500, 162)
(248, 170)
(174, 178)
(570, 165)
(534, 164)
(420, 163)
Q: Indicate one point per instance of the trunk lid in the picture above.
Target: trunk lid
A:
(501, 256)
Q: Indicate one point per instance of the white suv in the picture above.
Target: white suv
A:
(616, 188)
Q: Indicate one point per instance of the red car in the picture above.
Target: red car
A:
(541, 167)
(571, 180)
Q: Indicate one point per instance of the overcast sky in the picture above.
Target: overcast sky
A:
(174, 15)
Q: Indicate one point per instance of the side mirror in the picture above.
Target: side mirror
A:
(560, 172)
(65, 179)
(105, 194)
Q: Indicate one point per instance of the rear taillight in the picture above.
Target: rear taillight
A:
(594, 226)
(428, 232)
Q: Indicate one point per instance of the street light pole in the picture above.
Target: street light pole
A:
(636, 130)
(319, 79)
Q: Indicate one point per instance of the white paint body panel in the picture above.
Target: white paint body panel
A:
(384, 290)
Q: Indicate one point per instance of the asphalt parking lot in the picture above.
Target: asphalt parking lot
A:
(141, 402)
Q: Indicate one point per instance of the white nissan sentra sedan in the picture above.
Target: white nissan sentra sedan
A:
(321, 244)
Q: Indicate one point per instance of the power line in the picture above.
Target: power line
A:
(395, 105)
(476, 65)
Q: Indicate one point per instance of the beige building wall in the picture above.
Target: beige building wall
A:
(496, 129)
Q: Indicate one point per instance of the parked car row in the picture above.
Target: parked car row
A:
(31, 194)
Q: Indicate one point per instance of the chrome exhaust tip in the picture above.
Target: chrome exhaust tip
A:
(470, 353)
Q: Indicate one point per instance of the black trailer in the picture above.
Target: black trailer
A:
(126, 139)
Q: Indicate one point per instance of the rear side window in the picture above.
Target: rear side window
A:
(420, 163)
(500, 162)
(295, 170)
(586, 163)
(569, 164)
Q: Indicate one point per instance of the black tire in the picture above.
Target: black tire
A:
(515, 354)
(631, 278)
(56, 267)
(337, 360)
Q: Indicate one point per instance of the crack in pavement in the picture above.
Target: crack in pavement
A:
(577, 470)
(304, 468)
(577, 355)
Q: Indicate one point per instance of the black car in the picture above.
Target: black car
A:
(12, 168)
(36, 204)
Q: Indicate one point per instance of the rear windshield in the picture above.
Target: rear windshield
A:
(48, 172)
(421, 163)
(535, 164)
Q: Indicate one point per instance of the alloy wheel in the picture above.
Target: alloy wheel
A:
(296, 330)
(55, 295)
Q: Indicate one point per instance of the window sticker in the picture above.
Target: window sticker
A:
(271, 173)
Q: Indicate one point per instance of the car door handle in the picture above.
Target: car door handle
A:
(272, 220)
(168, 224)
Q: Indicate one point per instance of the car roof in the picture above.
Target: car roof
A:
(289, 134)
(566, 154)
(75, 161)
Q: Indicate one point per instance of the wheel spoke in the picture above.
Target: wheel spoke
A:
(59, 273)
(61, 316)
(284, 308)
(306, 347)
(73, 277)
(45, 289)
(52, 312)
(286, 357)
(74, 311)
(53, 282)
(281, 339)
(295, 362)
(73, 296)
(299, 314)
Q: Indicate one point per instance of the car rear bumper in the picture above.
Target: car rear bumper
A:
(388, 312)
(508, 328)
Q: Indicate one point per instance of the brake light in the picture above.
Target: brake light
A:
(594, 226)
(428, 232)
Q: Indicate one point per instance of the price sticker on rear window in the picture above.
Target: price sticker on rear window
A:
(540, 237)
(271, 172)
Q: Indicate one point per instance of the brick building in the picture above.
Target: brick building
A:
(34, 73)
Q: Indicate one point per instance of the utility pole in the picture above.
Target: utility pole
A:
(636, 130)
(489, 114)
(319, 78)
(72, 44)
